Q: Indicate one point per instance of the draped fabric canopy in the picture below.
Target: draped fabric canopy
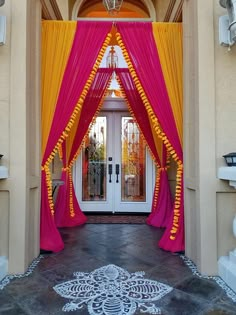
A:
(88, 46)
(135, 40)
(162, 203)
(66, 198)
(147, 93)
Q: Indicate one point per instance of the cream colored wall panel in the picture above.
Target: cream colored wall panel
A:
(64, 8)
(191, 225)
(4, 132)
(161, 9)
(199, 134)
(4, 222)
(226, 210)
(4, 73)
(225, 73)
(33, 220)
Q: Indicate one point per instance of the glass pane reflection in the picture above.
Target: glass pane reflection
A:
(133, 162)
(94, 162)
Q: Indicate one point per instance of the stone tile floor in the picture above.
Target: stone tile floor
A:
(132, 247)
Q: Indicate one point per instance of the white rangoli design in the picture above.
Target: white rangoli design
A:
(111, 290)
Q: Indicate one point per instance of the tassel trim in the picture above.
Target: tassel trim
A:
(71, 203)
(161, 135)
(49, 187)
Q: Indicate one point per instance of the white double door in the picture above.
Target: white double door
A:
(114, 172)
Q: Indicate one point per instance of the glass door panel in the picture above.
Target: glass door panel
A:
(133, 161)
(94, 156)
(114, 172)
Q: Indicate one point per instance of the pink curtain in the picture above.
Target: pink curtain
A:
(88, 40)
(67, 209)
(140, 45)
(162, 207)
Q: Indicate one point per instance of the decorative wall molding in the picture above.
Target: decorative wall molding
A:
(50, 10)
(147, 3)
(174, 11)
(169, 10)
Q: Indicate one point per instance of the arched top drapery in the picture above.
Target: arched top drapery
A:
(141, 53)
(162, 200)
(67, 209)
(135, 39)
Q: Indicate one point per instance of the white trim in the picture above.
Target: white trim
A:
(148, 3)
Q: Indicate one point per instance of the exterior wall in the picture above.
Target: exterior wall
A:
(225, 78)
(19, 129)
(200, 135)
(209, 131)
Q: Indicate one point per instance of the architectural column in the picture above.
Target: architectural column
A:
(24, 125)
(200, 135)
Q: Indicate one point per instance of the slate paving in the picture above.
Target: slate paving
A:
(132, 247)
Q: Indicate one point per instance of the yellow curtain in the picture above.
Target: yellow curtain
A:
(168, 38)
(57, 39)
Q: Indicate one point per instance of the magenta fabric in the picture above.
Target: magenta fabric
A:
(162, 209)
(161, 212)
(62, 206)
(91, 104)
(50, 238)
(138, 109)
(140, 44)
(177, 245)
(88, 40)
(63, 217)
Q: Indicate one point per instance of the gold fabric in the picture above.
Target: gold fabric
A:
(168, 38)
(57, 39)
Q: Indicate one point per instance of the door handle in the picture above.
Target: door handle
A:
(110, 172)
(117, 172)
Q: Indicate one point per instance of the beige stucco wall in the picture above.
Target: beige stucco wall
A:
(225, 78)
(4, 139)
(209, 132)
(200, 135)
(20, 134)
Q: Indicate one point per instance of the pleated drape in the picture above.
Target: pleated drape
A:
(162, 201)
(57, 39)
(140, 51)
(67, 210)
(168, 38)
(89, 44)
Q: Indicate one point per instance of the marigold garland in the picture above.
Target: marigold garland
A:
(157, 182)
(68, 169)
(161, 134)
(72, 211)
(91, 125)
(46, 169)
(76, 110)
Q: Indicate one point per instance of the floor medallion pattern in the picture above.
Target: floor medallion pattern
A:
(111, 290)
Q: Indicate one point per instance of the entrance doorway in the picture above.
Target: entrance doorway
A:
(114, 172)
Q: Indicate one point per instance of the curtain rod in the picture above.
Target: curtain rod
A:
(116, 19)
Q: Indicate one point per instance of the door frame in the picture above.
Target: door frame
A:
(111, 203)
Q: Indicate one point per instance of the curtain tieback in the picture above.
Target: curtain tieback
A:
(163, 169)
(65, 169)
